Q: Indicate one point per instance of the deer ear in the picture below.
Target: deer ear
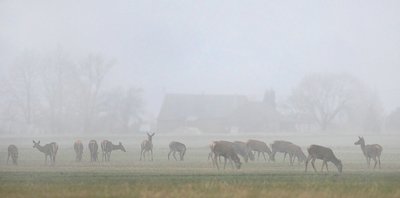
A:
(33, 141)
(38, 142)
(147, 133)
(153, 134)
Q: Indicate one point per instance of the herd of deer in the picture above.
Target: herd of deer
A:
(229, 150)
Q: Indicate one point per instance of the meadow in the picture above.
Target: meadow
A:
(127, 176)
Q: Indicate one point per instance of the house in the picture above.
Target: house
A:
(217, 113)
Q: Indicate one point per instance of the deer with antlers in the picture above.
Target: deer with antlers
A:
(147, 146)
(48, 150)
(373, 151)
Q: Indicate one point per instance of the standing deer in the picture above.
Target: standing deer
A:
(373, 151)
(177, 147)
(107, 147)
(280, 146)
(147, 146)
(78, 147)
(259, 147)
(225, 149)
(48, 150)
(103, 145)
(93, 147)
(13, 153)
(325, 154)
(243, 150)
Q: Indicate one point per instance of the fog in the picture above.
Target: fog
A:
(198, 48)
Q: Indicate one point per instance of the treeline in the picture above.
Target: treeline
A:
(56, 93)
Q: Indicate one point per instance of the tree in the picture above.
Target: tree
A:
(325, 98)
(93, 70)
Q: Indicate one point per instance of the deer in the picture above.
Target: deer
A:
(147, 146)
(177, 147)
(259, 147)
(373, 151)
(225, 149)
(243, 150)
(295, 151)
(13, 153)
(48, 150)
(78, 147)
(107, 147)
(93, 147)
(279, 146)
(324, 153)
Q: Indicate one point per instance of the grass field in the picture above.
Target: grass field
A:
(126, 176)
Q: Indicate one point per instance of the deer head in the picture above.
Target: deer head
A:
(360, 141)
(35, 144)
(122, 147)
(150, 136)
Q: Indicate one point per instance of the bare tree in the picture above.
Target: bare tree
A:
(323, 97)
(92, 70)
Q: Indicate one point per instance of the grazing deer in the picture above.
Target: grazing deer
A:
(93, 147)
(243, 150)
(107, 147)
(259, 147)
(78, 147)
(48, 150)
(325, 154)
(225, 149)
(147, 146)
(373, 151)
(295, 151)
(279, 146)
(177, 147)
(13, 153)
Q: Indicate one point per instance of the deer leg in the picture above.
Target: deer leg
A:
(313, 164)
(264, 156)
(151, 154)
(322, 167)
(258, 158)
(307, 160)
(376, 162)
(215, 161)
(174, 154)
(326, 165)
(8, 157)
(169, 153)
(379, 158)
(284, 156)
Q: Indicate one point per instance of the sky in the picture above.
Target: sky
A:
(215, 47)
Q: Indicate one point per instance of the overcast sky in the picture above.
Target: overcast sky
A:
(230, 47)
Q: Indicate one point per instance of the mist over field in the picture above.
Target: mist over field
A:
(150, 75)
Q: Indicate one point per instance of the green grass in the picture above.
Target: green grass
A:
(126, 176)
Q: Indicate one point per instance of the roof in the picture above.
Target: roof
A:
(199, 106)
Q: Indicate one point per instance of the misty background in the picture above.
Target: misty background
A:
(107, 67)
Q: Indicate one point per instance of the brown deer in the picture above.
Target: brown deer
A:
(177, 147)
(147, 146)
(279, 146)
(48, 150)
(13, 153)
(295, 151)
(325, 154)
(259, 147)
(225, 149)
(243, 150)
(78, 147)
(373, 151)
(107, 147)
(93, 147)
